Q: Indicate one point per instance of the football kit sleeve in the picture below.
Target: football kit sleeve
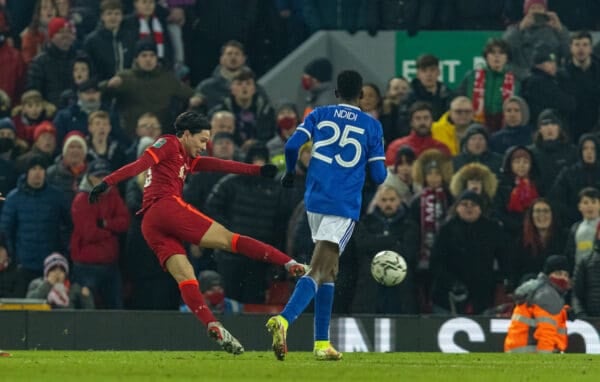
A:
(221, 165)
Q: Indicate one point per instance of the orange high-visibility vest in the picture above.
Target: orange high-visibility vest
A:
(534, 330)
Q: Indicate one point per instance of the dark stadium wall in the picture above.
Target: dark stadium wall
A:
(128, 330)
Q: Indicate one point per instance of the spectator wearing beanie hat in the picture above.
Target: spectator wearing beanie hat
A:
(55, 287)
(551, 148)
(475, 149)
(50, 72)
(68, 170)
(34, 216)
(540, 309)
(9, 149)
(95, 239)
(44, 144)
(463, 269)
(538, 25)
(317, 80)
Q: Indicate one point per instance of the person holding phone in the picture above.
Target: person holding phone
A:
(539, 24)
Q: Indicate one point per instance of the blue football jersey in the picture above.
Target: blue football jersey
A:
(344, 140)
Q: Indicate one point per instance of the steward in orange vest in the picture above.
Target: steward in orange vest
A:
(539, 320)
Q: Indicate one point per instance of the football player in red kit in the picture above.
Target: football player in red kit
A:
(169, 221)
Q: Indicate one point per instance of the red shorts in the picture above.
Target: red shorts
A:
(168, 223)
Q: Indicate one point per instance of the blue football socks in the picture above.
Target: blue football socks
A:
(305, 290)
(323, 306)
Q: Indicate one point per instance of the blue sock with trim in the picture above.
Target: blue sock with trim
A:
(323, 307)
(305, 290)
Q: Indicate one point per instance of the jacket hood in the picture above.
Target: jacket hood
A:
(506, 162)
(582, 140)
(472, 171)
(525, 114)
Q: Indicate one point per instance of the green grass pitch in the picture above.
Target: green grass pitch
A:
(261, 366)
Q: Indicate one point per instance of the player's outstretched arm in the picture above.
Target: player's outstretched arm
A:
(125, 172)
(291, 157)
(232, 167)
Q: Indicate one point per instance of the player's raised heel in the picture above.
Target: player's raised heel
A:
(277, 328)
(229, 343)
(327, 354)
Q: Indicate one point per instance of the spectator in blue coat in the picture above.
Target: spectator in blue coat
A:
(34, 218)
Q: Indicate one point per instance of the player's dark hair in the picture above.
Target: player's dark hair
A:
(419, 106)
(589, 192)
(349, 85)
(192, 121)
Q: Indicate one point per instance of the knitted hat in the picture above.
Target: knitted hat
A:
(548, 117)
(556, 263)
(209, 279)
(474, 129)
(470, 195)
(55, 260)
(56, 24)
(43, 127)
(143, 144)
(36, 160)
(99, 168)
(528, 3)
(74, 136)
(321, 69)
(145, 45)
(543, 53)
(7, 123)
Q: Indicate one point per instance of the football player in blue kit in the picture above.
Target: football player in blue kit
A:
(345, 142)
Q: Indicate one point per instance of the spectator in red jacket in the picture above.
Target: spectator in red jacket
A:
(12, 75)
(419, 139)
(95, 239)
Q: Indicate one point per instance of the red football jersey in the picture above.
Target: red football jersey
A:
(166, 176)
(167, 164)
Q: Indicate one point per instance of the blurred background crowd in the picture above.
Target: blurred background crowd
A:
(485, 180)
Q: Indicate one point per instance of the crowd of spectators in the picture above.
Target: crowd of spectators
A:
(485, 181)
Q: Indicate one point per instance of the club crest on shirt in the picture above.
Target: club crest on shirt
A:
(159, 143)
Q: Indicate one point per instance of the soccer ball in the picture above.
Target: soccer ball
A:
(388, 268)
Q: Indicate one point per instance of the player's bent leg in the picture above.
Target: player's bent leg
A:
(218, 237)
(183, 272)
